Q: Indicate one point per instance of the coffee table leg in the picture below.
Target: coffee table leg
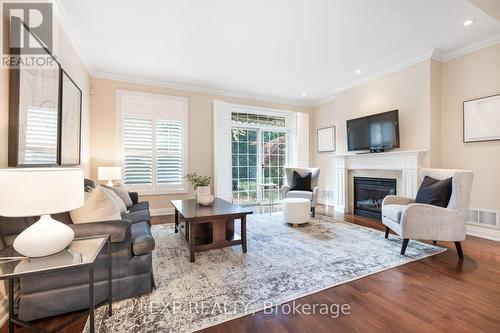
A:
(191, 241)
(244, 233)
(176, 220)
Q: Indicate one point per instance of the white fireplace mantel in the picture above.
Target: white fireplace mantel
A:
(408, 162)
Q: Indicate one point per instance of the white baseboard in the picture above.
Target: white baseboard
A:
(325, 202)
(488, 233)
(161, 211)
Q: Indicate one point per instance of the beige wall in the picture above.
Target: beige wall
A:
(322, 116)
(103, 128)
(472, 76)
(71, 62)
(407, 90)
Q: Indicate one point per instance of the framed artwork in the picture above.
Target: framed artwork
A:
(71, 118)
(482, 119)
(34, 110)
(326, 139)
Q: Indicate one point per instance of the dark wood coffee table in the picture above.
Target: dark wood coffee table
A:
(210, 227)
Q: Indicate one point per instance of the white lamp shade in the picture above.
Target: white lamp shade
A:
(109, 173)
(40, 191)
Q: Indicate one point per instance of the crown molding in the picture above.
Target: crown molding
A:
(203, 90)
(447, 56)
(65, 23)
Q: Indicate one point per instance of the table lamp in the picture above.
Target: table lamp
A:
(28, 192)
(109, 173)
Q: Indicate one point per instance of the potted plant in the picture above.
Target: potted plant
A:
(201, 186)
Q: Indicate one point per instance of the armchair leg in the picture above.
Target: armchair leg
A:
(387, 232)
(460, 253)
(313, 210)
(403, 247)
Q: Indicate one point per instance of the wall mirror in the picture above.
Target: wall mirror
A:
(34, 114)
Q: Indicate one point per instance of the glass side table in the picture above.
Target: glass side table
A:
(270, 187)
(82, 252)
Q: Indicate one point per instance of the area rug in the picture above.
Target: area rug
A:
(282, 264)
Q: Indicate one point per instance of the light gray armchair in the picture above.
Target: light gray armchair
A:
(427, 222)
(313, 196)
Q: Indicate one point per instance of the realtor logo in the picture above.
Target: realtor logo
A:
(23, 17)
(28, 35)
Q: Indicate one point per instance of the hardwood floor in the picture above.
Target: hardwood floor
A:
(437, 294)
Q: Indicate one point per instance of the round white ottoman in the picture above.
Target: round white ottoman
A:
(296, 211)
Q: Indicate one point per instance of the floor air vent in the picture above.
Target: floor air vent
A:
(484, 217)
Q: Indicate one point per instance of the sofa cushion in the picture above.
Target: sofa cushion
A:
(143, 205)
(435, 192)
(99, 206)
(301, 183)
(116, 199)
(138, 216)
(142, 240)
(122, 193)
(300, 194)
(393, 212)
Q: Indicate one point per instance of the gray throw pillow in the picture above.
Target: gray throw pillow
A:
(122, 193)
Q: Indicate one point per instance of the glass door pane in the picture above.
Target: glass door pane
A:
(273, 157)
(244, 162)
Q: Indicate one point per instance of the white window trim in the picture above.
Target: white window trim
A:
(154, 189)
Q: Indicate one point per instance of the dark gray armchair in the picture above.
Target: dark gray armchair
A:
(57, 293)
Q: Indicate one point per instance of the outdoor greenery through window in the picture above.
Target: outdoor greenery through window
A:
(258, 157)
(244, 155)
(257, 119)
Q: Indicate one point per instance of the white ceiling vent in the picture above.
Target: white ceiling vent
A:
(484, 217)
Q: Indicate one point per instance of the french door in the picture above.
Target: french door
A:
(258, 157)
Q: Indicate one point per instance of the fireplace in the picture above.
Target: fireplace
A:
(369, 193)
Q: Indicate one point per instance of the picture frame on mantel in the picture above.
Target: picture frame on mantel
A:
(326, 139)
(481, 117)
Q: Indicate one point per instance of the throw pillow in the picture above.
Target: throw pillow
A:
(122, 193)
(434, 192)
(99, 206)
(300, 183)
(116, 199)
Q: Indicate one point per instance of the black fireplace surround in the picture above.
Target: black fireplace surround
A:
(369, 194)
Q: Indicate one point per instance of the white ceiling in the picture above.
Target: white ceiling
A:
(273, 48)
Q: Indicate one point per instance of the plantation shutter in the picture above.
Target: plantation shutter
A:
(137, 151)
(300, 144)
(40, 145)
(222, 150)
(169, 166)
(153, 142)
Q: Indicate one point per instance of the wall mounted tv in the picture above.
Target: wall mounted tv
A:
(376, 133)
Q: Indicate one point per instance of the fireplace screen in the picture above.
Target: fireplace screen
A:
(369, 194)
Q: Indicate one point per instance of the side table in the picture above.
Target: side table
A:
(82, 252)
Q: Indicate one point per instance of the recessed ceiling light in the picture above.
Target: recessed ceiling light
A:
(468, 22)
(358, 71)
(304, 94)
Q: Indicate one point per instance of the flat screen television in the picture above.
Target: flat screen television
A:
(378, 132)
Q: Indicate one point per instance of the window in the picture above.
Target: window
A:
(257, 119)
(153, 141)
(40, 140)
